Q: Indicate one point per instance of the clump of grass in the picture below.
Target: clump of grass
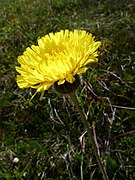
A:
(44, 135)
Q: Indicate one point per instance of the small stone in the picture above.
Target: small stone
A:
(15, 160)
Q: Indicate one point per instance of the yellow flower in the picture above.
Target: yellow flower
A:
(57, 59)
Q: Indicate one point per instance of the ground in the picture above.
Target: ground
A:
(44, 134)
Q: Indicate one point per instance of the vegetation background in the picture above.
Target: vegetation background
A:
(44, 135)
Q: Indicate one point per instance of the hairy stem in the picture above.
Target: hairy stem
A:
(90, 135)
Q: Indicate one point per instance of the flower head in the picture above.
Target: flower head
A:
(58, 58)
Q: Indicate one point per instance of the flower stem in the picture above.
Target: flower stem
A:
(90, 135)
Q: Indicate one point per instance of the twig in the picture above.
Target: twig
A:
(89, 86)
(95, 139)
(126, 133)
(119, 79)
(123, 107)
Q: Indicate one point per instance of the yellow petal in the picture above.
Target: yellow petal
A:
(70, 78)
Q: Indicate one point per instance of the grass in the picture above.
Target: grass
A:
(44, 135)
